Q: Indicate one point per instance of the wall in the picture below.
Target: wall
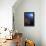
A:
(6, 16)
(32, 33)
(6, 13)
(43, 22)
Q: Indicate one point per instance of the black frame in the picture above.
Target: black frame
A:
(27, 15)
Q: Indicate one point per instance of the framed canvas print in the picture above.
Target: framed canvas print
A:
(29, 18)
